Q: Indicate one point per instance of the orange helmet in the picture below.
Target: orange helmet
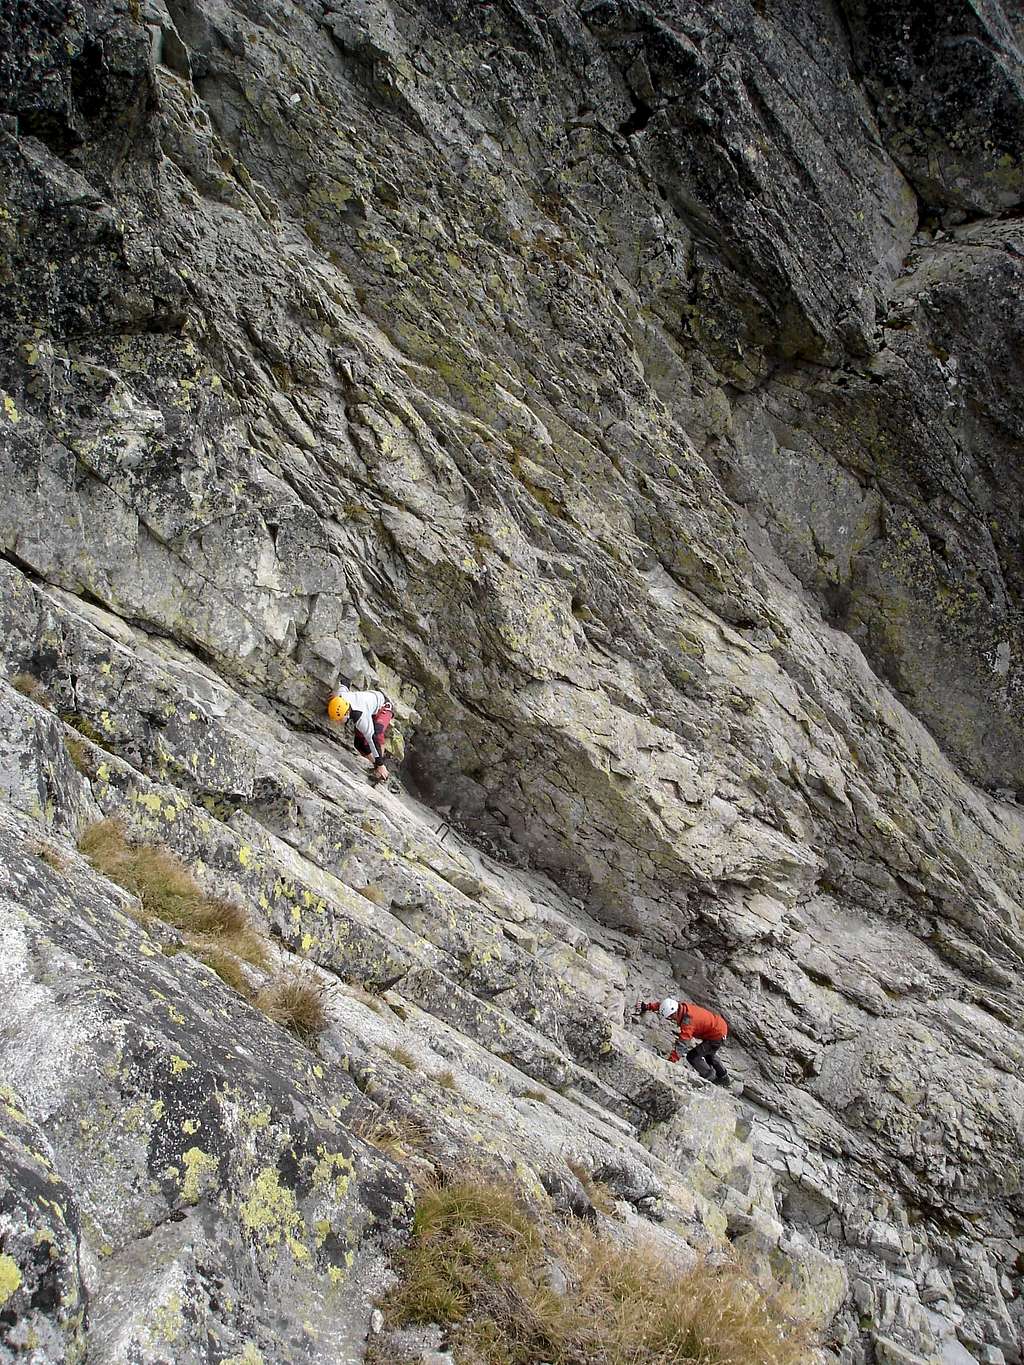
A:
(338, 709)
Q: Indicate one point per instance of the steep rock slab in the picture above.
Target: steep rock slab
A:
(893, 492)
(362, 347)
(844, 1045)
(215, 1194)
(948, 85)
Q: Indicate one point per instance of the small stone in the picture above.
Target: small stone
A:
(992, 1355)
(556, 1278)
(935, 1287)
(888, 1352)
(885, 1241)
(376, 1321)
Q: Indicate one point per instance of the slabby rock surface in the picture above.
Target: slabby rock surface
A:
(633, 391)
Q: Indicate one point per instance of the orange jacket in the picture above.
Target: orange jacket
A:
(700, 1023)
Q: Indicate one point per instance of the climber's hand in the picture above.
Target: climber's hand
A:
(380, 774)
(638, 1010)
(673, 1056)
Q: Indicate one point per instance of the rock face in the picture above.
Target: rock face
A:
(633, 391)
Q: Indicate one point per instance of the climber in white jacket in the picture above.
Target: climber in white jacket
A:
(371, 714)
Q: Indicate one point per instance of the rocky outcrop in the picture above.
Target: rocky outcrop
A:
(633, 391)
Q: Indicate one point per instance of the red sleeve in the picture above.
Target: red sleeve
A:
(686, 1031)
(651, 1004)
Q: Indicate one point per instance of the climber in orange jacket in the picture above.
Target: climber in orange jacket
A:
(694, 1022)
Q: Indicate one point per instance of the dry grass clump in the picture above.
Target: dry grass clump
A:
(216, 930)
(539, 1096)
(471, 1241)
(629, 1299)
(597, 1191)
(246, 944)
(403, 1057)
(477, 1263)
(78, 752)
(32, 688)
(166, 888)
(49, 855)
(295, 1000)
(446, 1079)
(397, 1135)
(226, 965)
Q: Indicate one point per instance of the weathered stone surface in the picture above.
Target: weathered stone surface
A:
(947, 82)
(193, 1164)
(634, 392)
(43, 1262)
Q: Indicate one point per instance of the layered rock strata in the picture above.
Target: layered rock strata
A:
(634, 392)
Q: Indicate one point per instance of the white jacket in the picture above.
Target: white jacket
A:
(365, 706)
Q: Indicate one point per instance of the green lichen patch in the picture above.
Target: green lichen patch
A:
(271, 1214)
(10, 1278)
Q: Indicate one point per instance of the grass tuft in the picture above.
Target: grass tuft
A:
(540, 1096)
(394, 1134)
(32, 688)
(404, 1057)
(49, 855)
(166, 888)
(295, 1000)
(446, 1080)
(78, 752)
(216, 930)
(85, 728)
(477, 1263)
(226, 965)
(597, 1191)
(246, 944)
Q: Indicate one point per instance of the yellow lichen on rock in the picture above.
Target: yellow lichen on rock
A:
(199, 1167)
(10, 1278)
(270, 1212)
(334, 1167)
(248, 1355)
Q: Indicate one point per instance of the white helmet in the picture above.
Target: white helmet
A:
(668, 1007)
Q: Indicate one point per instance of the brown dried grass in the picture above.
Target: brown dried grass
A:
(216, 930)
(32, 688)
(78, 752)
(165, 887)
(397, 1135)
(597, 1191)
(477, 1263)
(295, 999)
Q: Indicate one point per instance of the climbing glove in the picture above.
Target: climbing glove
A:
(638, 1009)
(673, 1056)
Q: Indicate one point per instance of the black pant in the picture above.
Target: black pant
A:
(704, 1060)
